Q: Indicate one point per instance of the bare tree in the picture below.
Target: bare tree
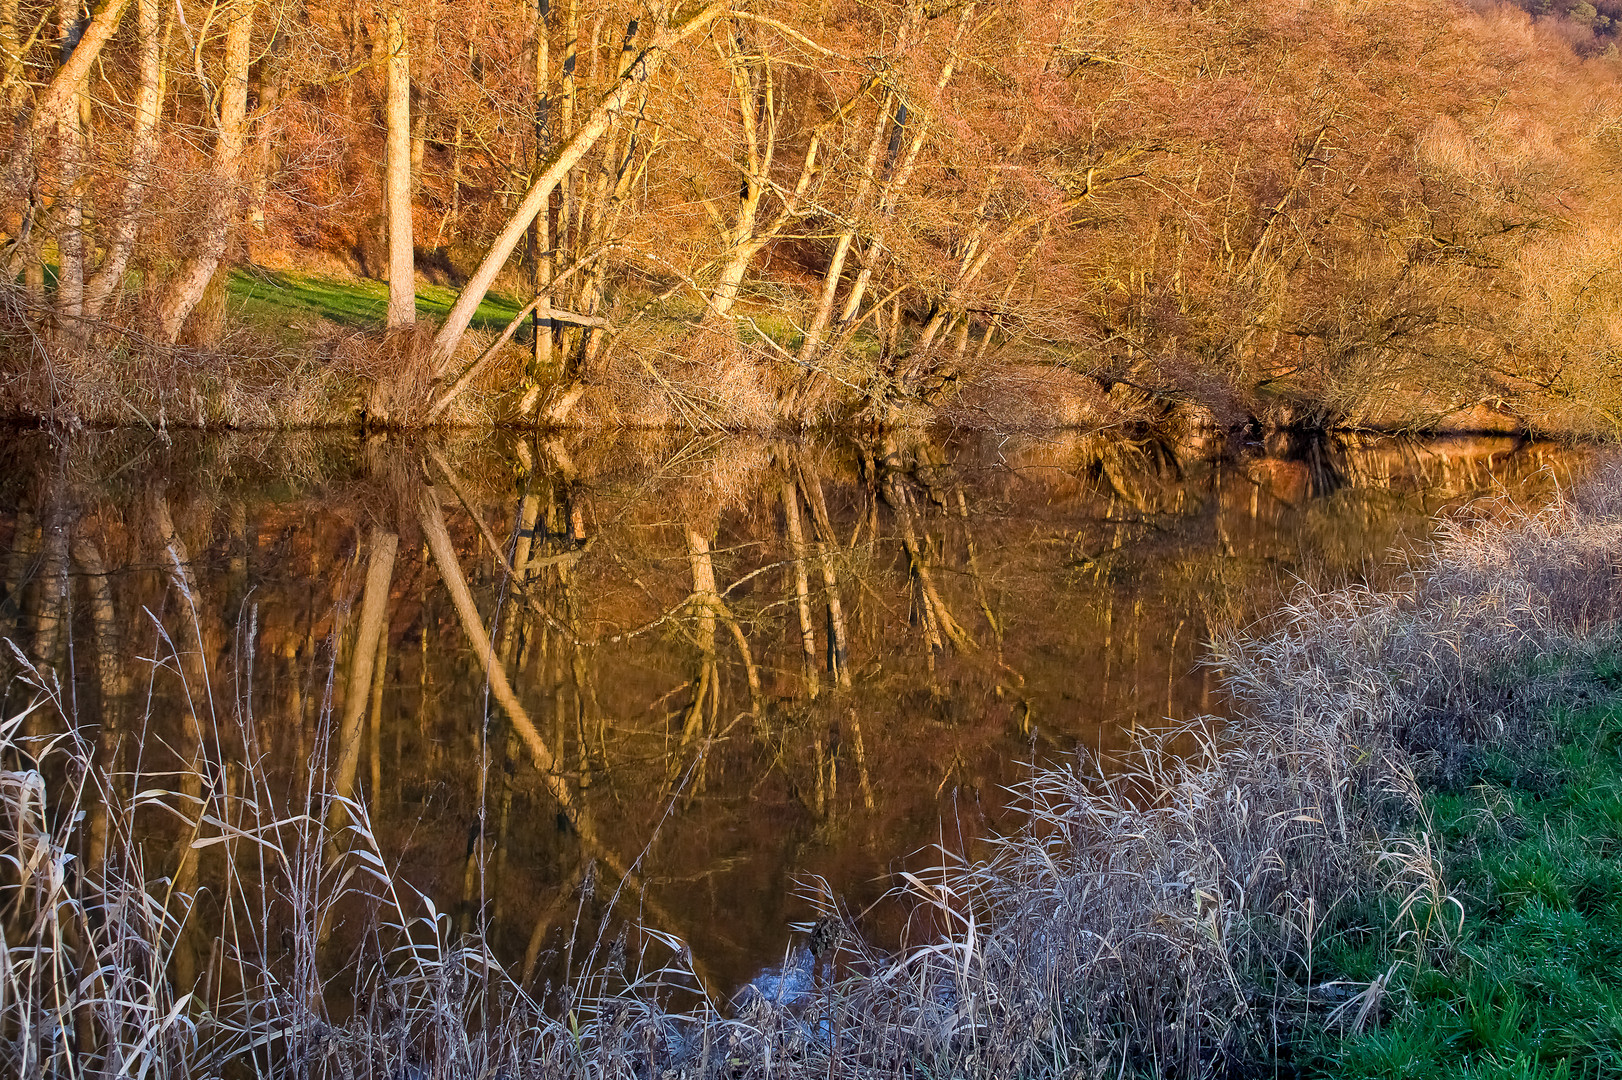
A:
(125, 216)
(559, 162)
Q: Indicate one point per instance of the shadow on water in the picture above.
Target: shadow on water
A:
(715, 669)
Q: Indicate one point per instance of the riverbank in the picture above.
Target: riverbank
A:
(1258, 890)
(1478, 930)
(296, 349)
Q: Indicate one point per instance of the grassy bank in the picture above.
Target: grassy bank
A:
(1393, 857)
(289, 348)
(1521, 977)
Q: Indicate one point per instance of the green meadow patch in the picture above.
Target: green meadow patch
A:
(272, 296)
(1530, 982)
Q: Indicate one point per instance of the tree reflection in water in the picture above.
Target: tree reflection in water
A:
(698, 672)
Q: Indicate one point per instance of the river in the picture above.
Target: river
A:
(753, 674)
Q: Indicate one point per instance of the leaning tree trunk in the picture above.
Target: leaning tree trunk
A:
(749, 234)
(58, 102)
(811, 345)
(816, 331)
(898, 183)
(561, 160)
(186, 288)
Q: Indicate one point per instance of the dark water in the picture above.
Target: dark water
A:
(758, 665)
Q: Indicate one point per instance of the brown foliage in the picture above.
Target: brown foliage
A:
(1321, 214)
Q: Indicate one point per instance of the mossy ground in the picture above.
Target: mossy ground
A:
(1530, 984)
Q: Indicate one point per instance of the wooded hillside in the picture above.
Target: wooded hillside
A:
(748, 214)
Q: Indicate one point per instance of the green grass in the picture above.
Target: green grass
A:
(286, 302)
(279, 297)
(1532, 983)
(282, 299)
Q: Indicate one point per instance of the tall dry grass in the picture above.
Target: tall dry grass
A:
(1161, 918)
(250, 379)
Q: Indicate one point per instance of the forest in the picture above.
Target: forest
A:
(747, 216)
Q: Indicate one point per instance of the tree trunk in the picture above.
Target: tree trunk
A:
(265, 156)
(58, 101)
(599, 213)
(13, 98)
(397, 184)
(818, 328)
(143, 151)
(62, 93)
(70, 240)
(750, 233)
(70, 148)
(12, 87)
(758, 125)
(817, 331)
(898, 182)
(564, 237)
(186, 288)
(542, 237)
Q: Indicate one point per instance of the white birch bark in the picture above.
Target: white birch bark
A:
(58, 101)
(125, 219)
(397, 184)
(70, 150)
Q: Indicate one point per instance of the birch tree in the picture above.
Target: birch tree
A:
(752, 61)
(52, 127)
(125, 213)
(896, 185)
(397, 182)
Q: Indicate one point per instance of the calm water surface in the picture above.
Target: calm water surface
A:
(757, 665)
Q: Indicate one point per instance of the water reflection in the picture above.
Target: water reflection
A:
(705, 668)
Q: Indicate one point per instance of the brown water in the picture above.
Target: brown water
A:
(758, 665)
